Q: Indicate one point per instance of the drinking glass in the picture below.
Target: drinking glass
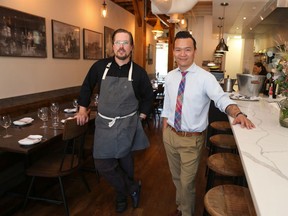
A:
(54, 114)
(54, 107)
(43, 115)
(75, 103)
(5, 122)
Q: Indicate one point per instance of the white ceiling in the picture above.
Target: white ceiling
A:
(234, 13)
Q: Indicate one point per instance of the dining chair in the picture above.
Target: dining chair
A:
(61, 164)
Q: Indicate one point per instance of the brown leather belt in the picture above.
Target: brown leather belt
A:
(183, 133)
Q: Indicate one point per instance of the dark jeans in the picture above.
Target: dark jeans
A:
(119, 173)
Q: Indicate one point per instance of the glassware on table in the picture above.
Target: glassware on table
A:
(54, 107)
(5, 122)
(75, 104)
(43, 115)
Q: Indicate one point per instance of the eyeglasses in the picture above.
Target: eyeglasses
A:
(118, 43)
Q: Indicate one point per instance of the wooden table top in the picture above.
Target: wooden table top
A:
(20, 132)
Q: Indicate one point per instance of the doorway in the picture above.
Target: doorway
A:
(161, 60)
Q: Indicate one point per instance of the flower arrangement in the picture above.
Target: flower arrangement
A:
(280, 68)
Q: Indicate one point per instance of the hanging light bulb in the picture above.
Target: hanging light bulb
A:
(104, 9)
(157, 29)
(222, 47)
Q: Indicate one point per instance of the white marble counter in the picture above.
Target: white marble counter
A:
(264, 154)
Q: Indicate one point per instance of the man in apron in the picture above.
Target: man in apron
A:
(125, 98)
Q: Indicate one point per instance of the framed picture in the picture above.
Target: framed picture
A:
(150, 54)
(93, 44)
(108, 49)
(65, 40)
(22, 34)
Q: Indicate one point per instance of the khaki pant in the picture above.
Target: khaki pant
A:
(183, 154)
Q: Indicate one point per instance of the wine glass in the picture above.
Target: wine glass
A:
(54, 107)
(75, 103)
(5, 122)
(43, 115)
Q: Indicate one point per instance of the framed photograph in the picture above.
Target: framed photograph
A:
(22, 34)
(108, 49)
(65, 40)
(93, 44)
(150, 54)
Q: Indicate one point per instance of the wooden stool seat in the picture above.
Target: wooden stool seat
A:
(224, 164)
(224, 141)
(227, 164)
(221, 126)
(229, 200)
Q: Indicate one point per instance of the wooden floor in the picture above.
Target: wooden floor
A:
(151, 167)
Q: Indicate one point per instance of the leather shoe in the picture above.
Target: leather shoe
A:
(121, 204)
(176, 213)
(135, 196)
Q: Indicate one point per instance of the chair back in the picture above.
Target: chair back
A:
(74, 136)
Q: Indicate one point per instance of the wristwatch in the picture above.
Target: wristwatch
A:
(240, 113)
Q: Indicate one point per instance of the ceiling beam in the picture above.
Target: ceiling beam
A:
(137, 13)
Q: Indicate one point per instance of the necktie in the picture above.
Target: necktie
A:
(178, 110)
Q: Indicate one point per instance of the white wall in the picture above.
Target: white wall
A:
(233, 59)
(20, 76)
(206, 43)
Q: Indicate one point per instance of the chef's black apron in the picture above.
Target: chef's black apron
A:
(118, 129)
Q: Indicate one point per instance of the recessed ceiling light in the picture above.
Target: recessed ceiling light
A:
(244, 18)
(251, 28)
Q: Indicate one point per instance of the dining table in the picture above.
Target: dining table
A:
(264, 155)
(49, 134)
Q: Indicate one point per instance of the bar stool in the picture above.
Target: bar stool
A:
(222, 141)
(229, 200)
(224, 164)
(221, 126)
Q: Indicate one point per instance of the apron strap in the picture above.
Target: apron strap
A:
(108, 67)
(113, 120)
(106, 70)
(130, 72)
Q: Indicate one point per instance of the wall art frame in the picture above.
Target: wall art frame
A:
(22, 34)
(150, 54)
(92, 45)
(108, 44)
(65, 40)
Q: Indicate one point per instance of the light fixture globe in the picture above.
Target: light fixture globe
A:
(157, 29)
(222, 47)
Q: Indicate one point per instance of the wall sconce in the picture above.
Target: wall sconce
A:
(157, 29)
(104, 9)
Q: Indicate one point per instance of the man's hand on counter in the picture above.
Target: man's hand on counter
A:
(243, 121)
(239, 117)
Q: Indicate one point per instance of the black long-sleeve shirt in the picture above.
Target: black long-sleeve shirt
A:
(141, 83)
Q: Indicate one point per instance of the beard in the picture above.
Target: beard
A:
(122, 57)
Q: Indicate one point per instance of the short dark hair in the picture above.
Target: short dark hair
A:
(123, 31)
(185, 34)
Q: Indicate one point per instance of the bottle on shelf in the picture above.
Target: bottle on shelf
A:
(271, 91)
(267, 84)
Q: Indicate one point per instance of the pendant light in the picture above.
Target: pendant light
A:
(222, 47)
(157, 29)
(104, 9)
